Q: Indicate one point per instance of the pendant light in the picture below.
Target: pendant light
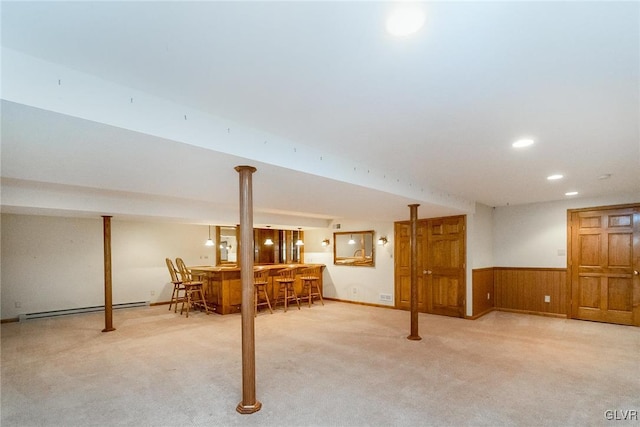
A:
(268, 242)
(299, 242)
(351, 241)
(209, 242)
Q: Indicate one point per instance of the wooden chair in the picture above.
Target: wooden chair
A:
(177, 286)
(310, 278)
(260, 281)
(194, 293)
(286, 289)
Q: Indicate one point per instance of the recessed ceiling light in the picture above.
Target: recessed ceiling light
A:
(554, 177)
(605, 176)
(571, 193)
(405, 21)
(522, 143)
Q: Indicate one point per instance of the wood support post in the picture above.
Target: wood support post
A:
(414, 273)
(108, 299)
(249, 404)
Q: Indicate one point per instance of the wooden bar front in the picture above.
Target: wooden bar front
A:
(223, 288)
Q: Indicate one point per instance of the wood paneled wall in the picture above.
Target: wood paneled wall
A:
(520, 289)
(524, 289)
(483, 291)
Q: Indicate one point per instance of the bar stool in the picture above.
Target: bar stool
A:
(310, 278)
(260, 281)
(194, 293)
(286, 279)
(177, 286)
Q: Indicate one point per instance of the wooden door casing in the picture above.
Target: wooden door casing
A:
(604, 260)
(441, 265)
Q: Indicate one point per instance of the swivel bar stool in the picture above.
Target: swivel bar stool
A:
(286, 289)
(310, 278)
(260, 281)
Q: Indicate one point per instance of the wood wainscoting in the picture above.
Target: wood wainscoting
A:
(525, 289)
(520, 290)
(483, 291)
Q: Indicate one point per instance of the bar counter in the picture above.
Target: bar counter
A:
(223, 288)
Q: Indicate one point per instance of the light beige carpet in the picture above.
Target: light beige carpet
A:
(340, 365)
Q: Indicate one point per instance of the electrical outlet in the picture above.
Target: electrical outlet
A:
(385, 297)
(547, 298)
(18, 304)
(153, 293)
(354, 290)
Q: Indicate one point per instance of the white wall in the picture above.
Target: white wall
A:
(479, 247)
(349, 283)
(53, 263)
(535, 235)
(480, 237)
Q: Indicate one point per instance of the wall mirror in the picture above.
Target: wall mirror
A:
(354, 248)
(227, 250)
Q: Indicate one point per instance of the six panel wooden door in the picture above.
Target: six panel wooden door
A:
(403, 265)
(604, 263)
(441, 265)
(445, 268)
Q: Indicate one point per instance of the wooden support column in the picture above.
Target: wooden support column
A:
(108, 298)
(249, 404)
(414, 273)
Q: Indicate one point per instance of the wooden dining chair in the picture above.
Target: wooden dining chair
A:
(260, 282)
(177, 286)
(310, 278)
(286, 289)
(194, 292)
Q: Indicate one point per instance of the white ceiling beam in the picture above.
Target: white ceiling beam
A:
(34, 82)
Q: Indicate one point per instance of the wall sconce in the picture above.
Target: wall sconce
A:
(326, 242)
(382, 241)
(209, 242)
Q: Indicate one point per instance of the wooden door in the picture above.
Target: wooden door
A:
(604, 262)
(445, 266)
(402, 250)
(441, 265)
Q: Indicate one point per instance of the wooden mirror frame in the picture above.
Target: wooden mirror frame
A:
(361, 253)
(224, 234)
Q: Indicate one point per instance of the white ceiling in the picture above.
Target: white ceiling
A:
(440, 108)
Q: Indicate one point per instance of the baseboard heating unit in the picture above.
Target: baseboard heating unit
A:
(56, 313)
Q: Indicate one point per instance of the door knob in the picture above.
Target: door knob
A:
(635, 272)
(426, 271)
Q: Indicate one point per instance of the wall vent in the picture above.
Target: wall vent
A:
(56, 313)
